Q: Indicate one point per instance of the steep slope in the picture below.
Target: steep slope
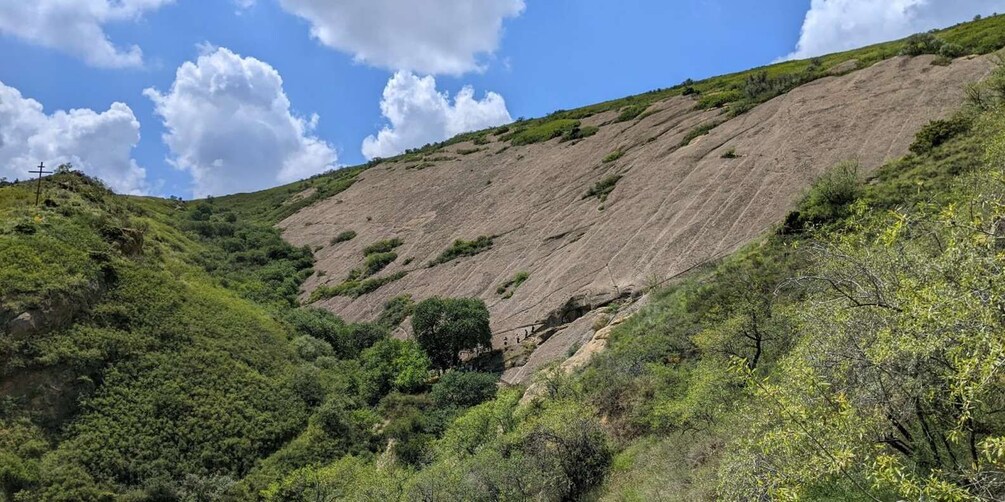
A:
(676, 205)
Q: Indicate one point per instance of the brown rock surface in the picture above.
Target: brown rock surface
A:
(674, 208)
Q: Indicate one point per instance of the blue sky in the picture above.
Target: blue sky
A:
(335, 58)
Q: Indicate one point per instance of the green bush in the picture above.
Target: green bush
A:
(508, 288)
(462, 248)
(396, 310)
(375, 262)
(719, 99)
(346, 236)
(310, 349)
(463, 389)
(937, 132)
(393, 365)
(445, 327)
(578, 133)
(828, 201)
(384, 246)
(540, 133)
(631, 112)
(922, 43)
(613, 156)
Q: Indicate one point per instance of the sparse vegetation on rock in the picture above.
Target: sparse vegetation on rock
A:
(461, 248)
(603, 188)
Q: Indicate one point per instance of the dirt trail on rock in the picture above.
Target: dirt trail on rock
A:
(674, 207)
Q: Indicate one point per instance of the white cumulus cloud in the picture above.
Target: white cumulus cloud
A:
(229, 124)
(426, 36)
(418, 114)
(76, 26)
(99, 144)
(838, 25)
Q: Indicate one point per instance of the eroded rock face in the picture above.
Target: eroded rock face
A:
(673, 209)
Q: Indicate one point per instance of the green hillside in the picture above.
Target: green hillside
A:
(156, 349)
(856, 354)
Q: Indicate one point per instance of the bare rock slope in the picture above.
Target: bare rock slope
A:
(674, 207)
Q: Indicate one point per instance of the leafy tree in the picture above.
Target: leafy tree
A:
(463, 389)
(445, 327)
(393, 365)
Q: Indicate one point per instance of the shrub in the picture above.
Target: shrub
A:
(613, 156)
(540, 133)
(393, 365)
(937, 132)
(927, 43)
(384, 246)
(509, 287)
(445, 327)
(828, 200)
(462, 248)
(396, 310)
(346, 236)
(719, 99)
(578, 133)
(730, 154)
(463, 389)
(631, 112)
(315, 322)
(603, 188)
(353, 339)
(310, 349)
(376, 262)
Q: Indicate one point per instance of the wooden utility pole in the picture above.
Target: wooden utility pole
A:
(40, 172)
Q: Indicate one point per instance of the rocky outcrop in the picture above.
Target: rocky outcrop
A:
(673, 207)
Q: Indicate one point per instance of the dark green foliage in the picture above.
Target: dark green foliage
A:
(346, 340)
(928, 43)
(340, 419)
(603, 188)
(631, 112)
(508, 288)
(937, 132)
(730, 154)
(353, 339)
(393, 365)
(375, 262)
(828, 201)
(578, 133)
(446, 327)
(463, 389)
(396, 310)
(384, 246)
(346, 236)
(315, 322)
(251, 257)
(541, 132)
(719, 99)
(462, 248)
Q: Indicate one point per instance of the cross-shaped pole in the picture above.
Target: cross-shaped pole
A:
(40, 172)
